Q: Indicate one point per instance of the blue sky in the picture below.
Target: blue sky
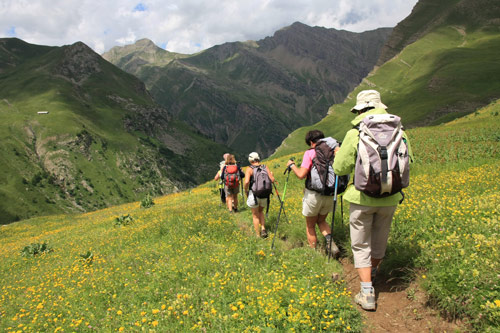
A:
(186, 26)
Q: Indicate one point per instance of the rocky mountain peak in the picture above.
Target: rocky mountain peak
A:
(146, 44)
(78, 62)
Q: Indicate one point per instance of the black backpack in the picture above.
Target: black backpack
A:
(322, 178)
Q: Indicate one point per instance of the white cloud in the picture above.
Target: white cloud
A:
(185, 26)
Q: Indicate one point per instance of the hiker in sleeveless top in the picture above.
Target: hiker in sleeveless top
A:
(370, 217)
(258, 187)
(231, 176)
(315, 206)
(218, 177)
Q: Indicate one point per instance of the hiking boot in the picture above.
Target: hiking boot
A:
(331, 248)
(235, 210)
(263, 233)
(367, 301)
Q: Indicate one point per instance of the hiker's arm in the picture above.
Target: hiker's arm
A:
(301, 172)
(246, 183)
(271, 176)
(217, 175)
(345, 157)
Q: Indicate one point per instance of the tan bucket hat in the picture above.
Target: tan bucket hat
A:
(366, 99)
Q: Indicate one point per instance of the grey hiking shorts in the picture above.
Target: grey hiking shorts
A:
(370, 228)
(251, 201)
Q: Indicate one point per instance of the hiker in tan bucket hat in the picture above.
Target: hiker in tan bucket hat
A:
(370, 216)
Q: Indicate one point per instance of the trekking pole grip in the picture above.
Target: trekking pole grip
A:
(289, 168)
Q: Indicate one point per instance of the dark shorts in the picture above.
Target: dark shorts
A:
(231, 191)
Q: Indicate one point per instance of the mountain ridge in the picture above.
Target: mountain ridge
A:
(450, 71)
(282, 81)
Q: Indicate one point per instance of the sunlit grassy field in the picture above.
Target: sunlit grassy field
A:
(185, 264)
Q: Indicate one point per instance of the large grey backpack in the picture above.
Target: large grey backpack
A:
(382, 164)
(261, 183)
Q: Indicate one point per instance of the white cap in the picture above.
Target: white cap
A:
(253, 156)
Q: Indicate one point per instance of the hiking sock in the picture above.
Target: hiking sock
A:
(366, 287)
(327, 238)
(327, 242)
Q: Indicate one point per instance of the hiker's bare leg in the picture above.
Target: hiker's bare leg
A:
(311, 230)
(365, 274)
(235, 201)
(229, 202)
(256, 220)
(323, 225)
(262, 218)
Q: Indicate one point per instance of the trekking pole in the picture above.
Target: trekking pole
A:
(279, 198)
(217, 188)
(241, 183)
(242, 192)
(342, 209)
(288, 169)
(333, 218)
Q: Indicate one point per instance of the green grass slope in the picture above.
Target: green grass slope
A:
(103, 141)
(186, 264)
(449, 72)
(428, 15)
(183, 264)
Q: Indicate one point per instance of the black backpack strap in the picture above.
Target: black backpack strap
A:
(268, 204)
(251, 179)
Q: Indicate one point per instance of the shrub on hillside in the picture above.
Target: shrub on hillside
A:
(123, 220)
(147, 202)
(35, 249)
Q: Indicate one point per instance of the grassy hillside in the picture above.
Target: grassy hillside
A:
(448, 73)
(102, 140)
(186, 264)
(183, 264)
(428, 15)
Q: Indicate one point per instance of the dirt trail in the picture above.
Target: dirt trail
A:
(401, 307)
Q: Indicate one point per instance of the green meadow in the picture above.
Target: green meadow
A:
(185, 264)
